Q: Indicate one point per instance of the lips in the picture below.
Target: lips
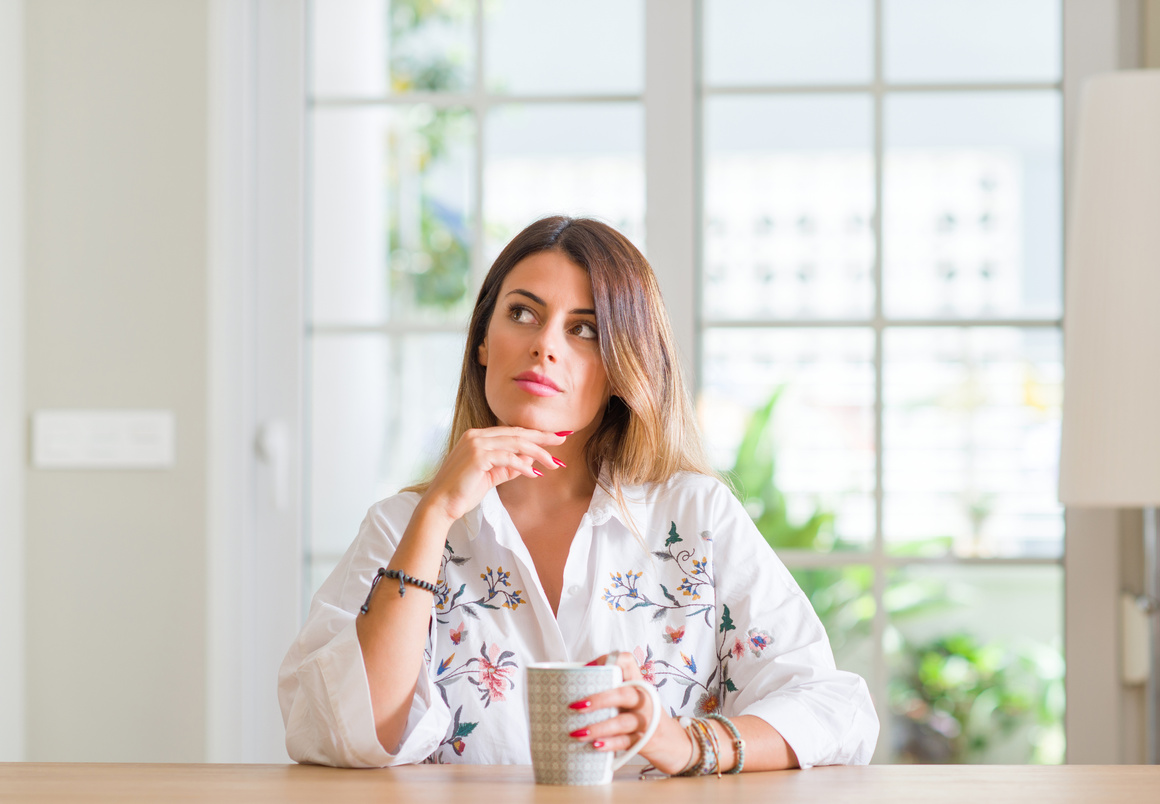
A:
(537, 384)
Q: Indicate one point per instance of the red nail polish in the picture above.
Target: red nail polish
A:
(593, 663)
(598, 744)
(565, 432)
(537, 472)
(579, 733)
(580, 705)
(559, 462)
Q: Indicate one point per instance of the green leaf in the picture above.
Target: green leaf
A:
(726, 621)
(465, 729)
(674, 537)
(729, 685)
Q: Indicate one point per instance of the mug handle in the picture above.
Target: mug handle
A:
(654, 721)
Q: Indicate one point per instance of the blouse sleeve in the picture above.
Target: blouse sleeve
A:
(322, 684)
(777, 659)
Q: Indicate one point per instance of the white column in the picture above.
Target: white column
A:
(12, 415)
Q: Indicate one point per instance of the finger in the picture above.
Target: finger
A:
(621, 742)
(544, 437)
(626, 723)
(617, 698)
(510, 463)
(518, 446)
(628, 666)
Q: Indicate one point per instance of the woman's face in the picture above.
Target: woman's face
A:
(544, 369)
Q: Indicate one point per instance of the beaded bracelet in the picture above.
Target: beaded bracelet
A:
(738, 743)
(403, 579)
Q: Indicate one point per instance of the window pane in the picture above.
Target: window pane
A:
(756, 42)
(391, 203)
(972, 202)
(789, 205)
(972, 40)
(807, 477)
(977, 665)
(379, 411)
(570, 159)
(561, 47)
(971, 435)
(375, 47)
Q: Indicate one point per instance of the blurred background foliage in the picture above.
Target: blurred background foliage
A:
(953, 699)
(429, 243)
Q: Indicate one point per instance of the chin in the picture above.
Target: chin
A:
(531, 419)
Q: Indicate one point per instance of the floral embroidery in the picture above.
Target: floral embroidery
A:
(758, 641)
(624, 594)
(455, 738)
(490, 672)
(707, 704)
(494, 670)
(645, 661)
(674, 635)
(497, 582)
(712, 692)
(457, 634)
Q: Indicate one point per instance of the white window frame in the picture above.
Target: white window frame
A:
(257, 211)
(12, 414)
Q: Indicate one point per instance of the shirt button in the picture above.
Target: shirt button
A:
(573, 590)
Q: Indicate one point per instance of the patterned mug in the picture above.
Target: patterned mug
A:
(558, 758)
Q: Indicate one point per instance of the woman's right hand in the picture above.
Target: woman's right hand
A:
(482, 459)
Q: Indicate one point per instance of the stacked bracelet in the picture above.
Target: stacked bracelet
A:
(402, 577)
(702, 733)
(738, 743)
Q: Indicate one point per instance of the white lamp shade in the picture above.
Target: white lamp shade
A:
(1110, 451)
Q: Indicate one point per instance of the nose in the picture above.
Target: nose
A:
(544, 346)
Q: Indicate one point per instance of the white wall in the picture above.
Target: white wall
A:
(116, 318)
(11, 381)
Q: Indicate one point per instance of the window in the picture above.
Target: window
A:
(437, 132)
(878, 306)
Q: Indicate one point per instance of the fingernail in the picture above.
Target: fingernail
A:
(559, 462)
(579, 733)
(537, 472)
(598, 744)
(565, 432)
(593, 663)
(580, 705)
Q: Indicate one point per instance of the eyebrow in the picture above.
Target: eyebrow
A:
(542, 303)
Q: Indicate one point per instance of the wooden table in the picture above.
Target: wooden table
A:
(479, 784)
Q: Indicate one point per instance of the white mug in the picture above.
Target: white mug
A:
(558, 758)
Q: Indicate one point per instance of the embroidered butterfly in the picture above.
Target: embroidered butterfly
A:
(457, 634)
(674, 635)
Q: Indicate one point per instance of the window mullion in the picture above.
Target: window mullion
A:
(671, 160)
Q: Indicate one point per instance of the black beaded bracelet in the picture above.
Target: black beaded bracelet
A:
(402, 577)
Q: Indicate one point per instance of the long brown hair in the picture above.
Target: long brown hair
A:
(648, 432)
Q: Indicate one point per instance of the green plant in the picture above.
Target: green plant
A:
(953, 698)
(430, 249)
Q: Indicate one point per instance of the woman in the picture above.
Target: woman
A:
(574, 517)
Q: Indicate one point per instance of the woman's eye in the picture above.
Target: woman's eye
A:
(521, 315)
(585, 330)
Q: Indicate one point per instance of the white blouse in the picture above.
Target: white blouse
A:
(712, 616)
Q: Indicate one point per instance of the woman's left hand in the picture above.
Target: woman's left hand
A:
(670, 748)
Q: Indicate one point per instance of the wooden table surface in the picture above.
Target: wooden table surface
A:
(513, 784)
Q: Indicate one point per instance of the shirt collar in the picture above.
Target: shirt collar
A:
(603, 507)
